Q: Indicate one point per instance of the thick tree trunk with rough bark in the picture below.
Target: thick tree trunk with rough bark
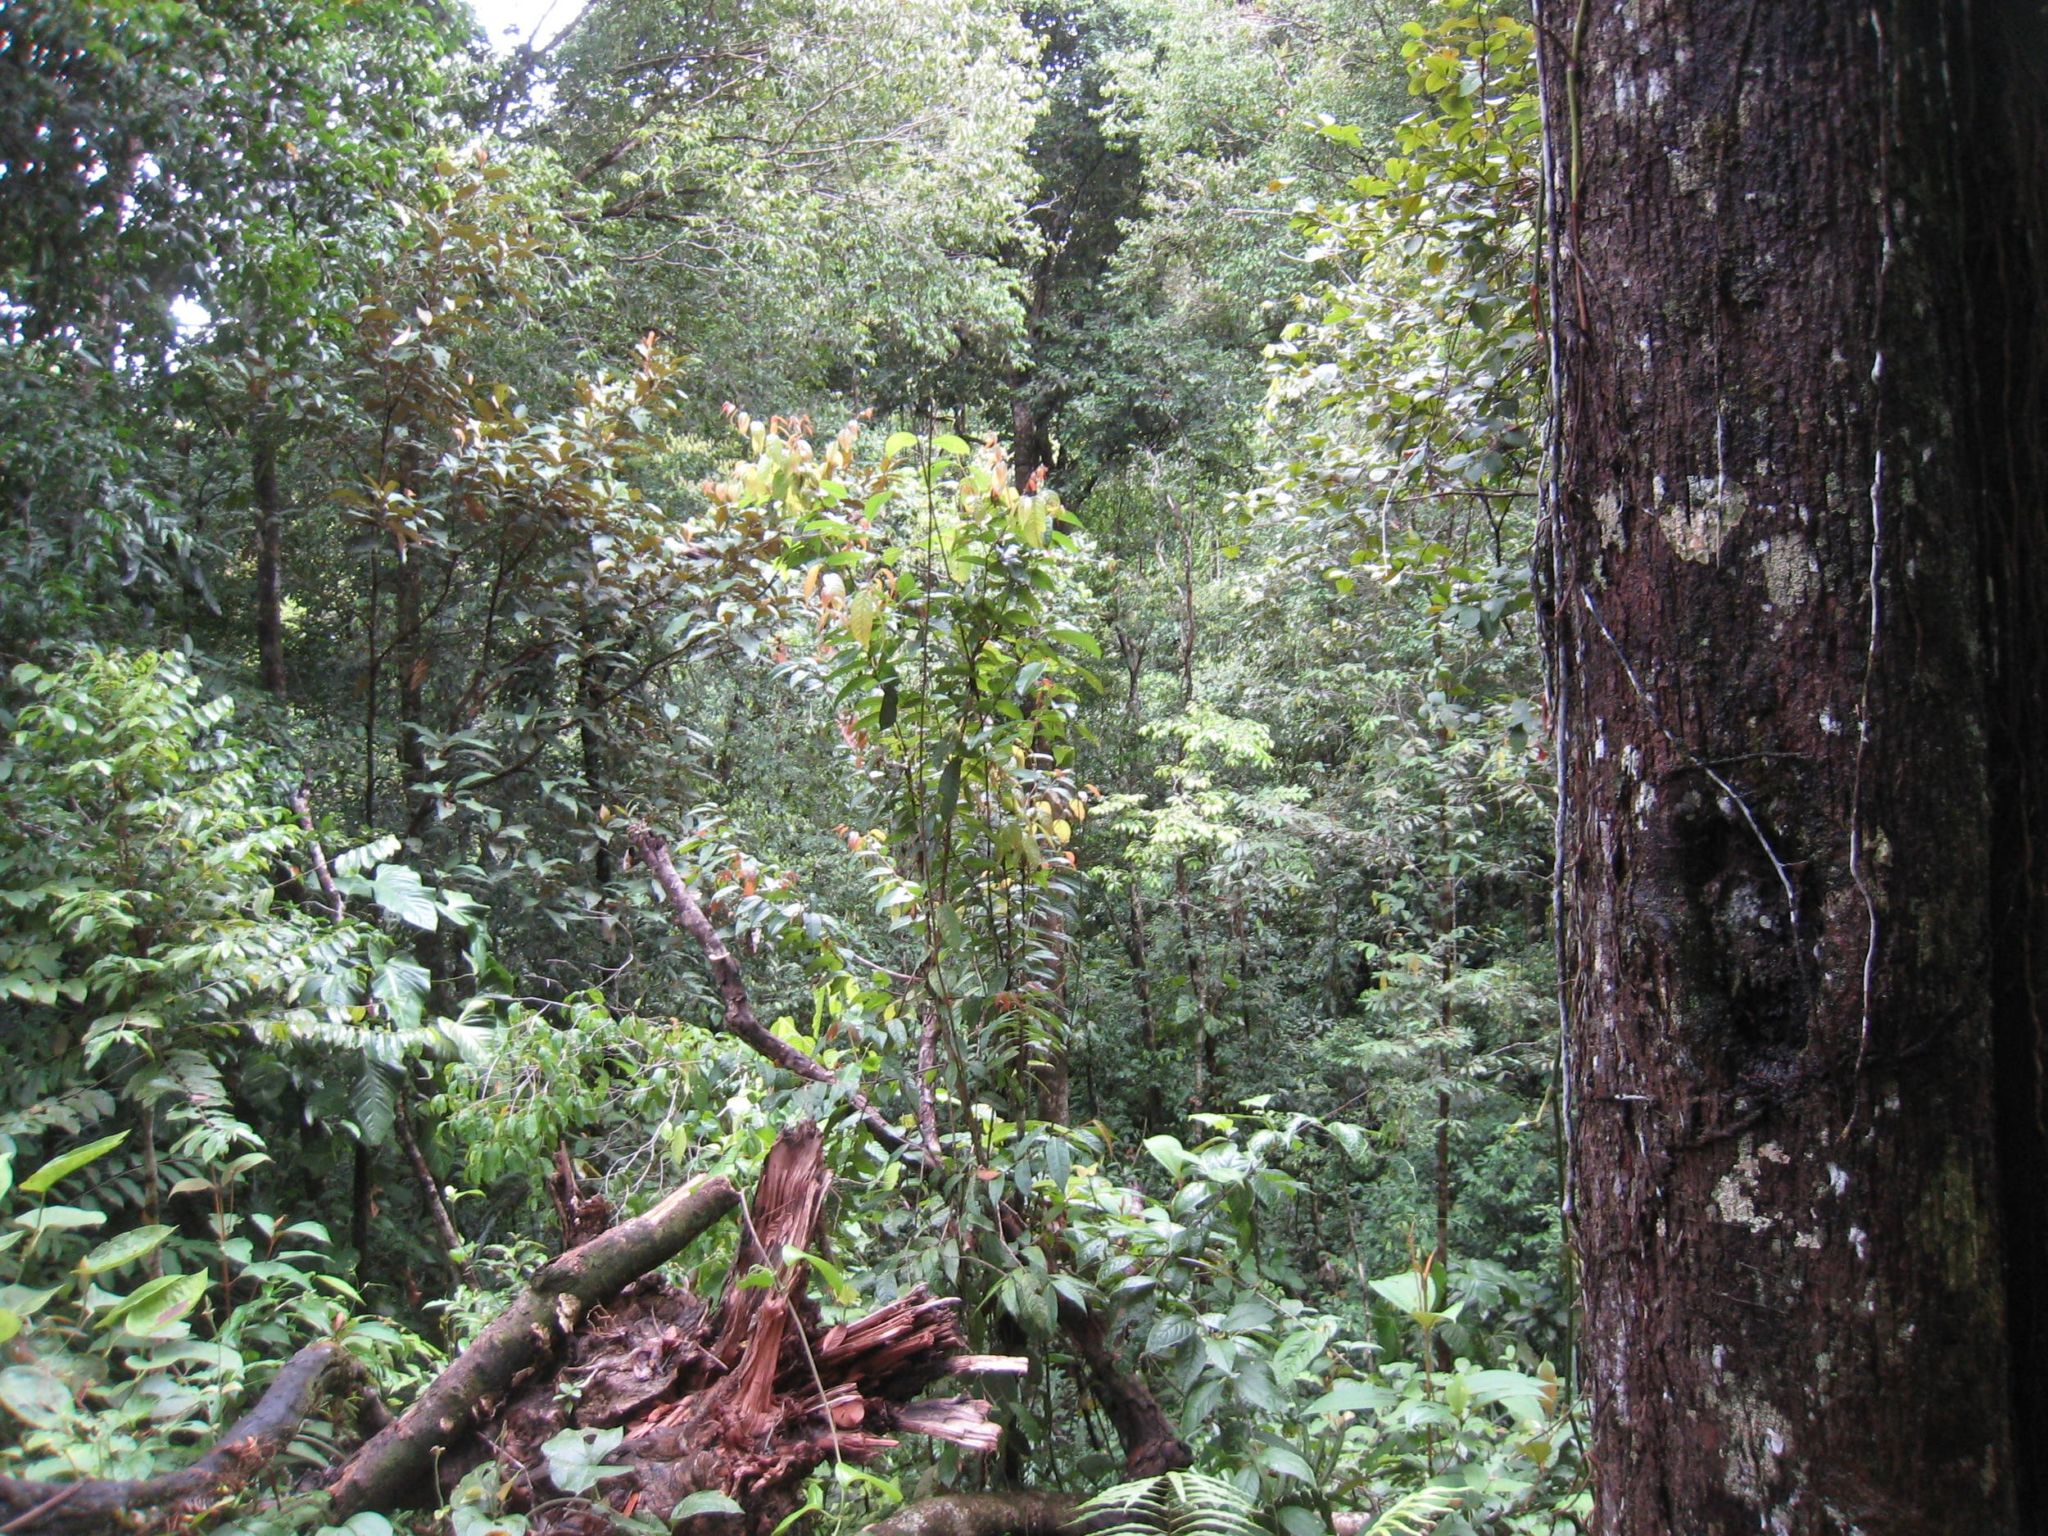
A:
(1793, 553)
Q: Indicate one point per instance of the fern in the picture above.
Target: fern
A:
(373, 1103)
(1416, 1514)
(1176, 1504)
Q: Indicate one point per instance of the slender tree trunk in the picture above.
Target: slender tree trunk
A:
(372, 670)
(1141, 968)
(363, 1209)
(269, 559)
(409, 651)
(1793, 554)
(590, 735)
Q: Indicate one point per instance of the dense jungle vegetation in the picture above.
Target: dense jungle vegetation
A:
(957, 574)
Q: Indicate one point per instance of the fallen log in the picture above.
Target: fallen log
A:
(382, 1472)
(984, 1514)
(97, 1506)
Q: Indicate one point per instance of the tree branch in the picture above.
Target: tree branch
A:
(740, 1021)
(302, 802)
(95, 1507)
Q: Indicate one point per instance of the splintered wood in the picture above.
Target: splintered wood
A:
(746, 1397)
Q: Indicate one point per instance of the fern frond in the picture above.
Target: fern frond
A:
(1176, 1504)
(1416, 1514)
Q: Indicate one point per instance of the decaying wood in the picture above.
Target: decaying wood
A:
(156, 1503)
(740, 1021)
(743, 1398)
(382, 1473)
(582, 1216)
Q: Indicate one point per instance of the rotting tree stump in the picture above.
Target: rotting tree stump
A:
(744, 1397)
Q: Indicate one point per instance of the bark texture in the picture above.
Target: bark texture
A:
(1792, 559)
(984, 1514)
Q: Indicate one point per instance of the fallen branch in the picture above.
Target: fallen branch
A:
(379, 1475)
(302, 802)
(983, 1514)
(430, 1189)
(251, 1443)
(740, 1021)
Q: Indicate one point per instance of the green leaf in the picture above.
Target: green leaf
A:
(576, 1458)
(835, 1282)
(1295, 1354)
(61, 1218)
(1525, 1397)
(401, 986)
(947, 442)
(708, 1501)
(1286, 1461)
(1297, 1521)
(1352, 1139)
(468, 1520)
(58, 1167)
(401, 894)
(1168, 1153)
(21, 1299)
(1168, 1333)
(10, 1324)
(155, 1309)
(35, 1396)
(365, 1523)
(1354, 1397)
(124, 1249)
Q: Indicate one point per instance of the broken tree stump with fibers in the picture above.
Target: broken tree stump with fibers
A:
(747, 1397)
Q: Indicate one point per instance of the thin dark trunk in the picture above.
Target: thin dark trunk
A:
(1793, 556)
(409, 652)
(590, 739)
(269, 560)
(1198, 985)
(372, 670)
(364, 1207)
(1141, 969)
(152, 1182)
(430, 1192)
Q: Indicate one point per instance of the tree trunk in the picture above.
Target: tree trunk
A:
(269, 559)
(1792, 551)
(409, 651)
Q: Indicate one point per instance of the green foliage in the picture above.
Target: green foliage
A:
(1173, 887)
